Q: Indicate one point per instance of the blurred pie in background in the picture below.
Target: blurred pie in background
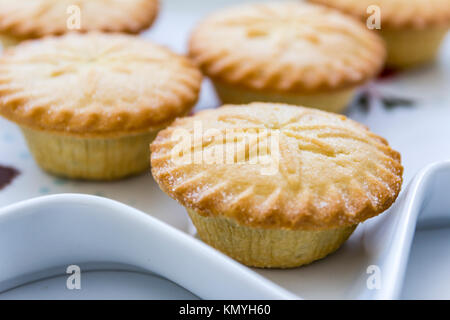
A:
(21, 20)
(413, 29)
(286, 52)
(90, 104)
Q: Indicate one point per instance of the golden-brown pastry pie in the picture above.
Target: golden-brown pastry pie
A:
(90, 104)
(21, 19)
(286, 52)
(413, 29)
(273, 185)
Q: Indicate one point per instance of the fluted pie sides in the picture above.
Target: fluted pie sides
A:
(287, 52)
(96, 100)
(7, 41)
(333, 101)
(267, 248)
(105, 159)
(332, 174)
(412, 48)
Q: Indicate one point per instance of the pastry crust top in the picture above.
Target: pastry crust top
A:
(38, 18)
(286, 47)
(96, 84)
(398, 13)
(330, 171)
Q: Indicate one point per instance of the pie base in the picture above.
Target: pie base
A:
(8, 41)
(268, 248)
(90, 158)
(332, 101)
(411, 48)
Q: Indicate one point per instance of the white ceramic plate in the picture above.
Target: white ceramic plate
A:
(420, 133)
(101, 284)
(41, 237)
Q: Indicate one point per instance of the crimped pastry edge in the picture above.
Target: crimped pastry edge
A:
(34, 31)
(298, 86)
(278, 219)
(62, 125)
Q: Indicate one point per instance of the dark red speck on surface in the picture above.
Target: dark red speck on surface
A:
(388, 73)
(7, 175)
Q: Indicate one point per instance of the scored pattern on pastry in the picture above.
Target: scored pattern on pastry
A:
(95, 83)
(331, 171)
(49, 17)
(398, 13)
(286, 47)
